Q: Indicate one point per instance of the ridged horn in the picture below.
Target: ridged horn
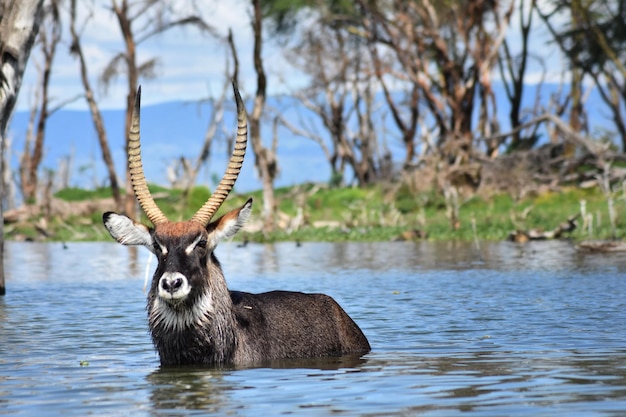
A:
(208, 210)
(135, 168)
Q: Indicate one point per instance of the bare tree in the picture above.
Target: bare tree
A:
(264, 158)
(594, 42)
(140, 21)
(49, 38)
(373, 161)
(96, 116)
(341, 95)
(513, 70)
(324, 55)
(19, 24)
(448, 49)
(183, 172)
(406, 125)
(209, 135)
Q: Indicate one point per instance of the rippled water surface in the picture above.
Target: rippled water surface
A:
(504, 330)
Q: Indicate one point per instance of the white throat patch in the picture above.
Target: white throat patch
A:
(178, 318)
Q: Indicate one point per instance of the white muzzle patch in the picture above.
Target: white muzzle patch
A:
(173, 287)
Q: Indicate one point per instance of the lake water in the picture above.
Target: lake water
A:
(500, 330)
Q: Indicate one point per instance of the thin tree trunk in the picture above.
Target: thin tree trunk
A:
(205, 152)
(152, 18)
(19, 24)
(122, 14)
(96, 116)
(265, 159)
(49, 38)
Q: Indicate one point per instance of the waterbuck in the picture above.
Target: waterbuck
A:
(193, 317)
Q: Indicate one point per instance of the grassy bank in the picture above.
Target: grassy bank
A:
(318, 213)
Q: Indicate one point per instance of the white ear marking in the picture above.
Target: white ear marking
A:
(230, 223)
(126, 231)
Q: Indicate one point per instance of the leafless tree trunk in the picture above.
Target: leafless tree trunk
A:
(139, 21)
(183, 172)
(599, 51)
(339, 93)
(125, 19)
(49, 38)
(96, 116)
(265, 158)
(444, 48)
(205, 151)
(513, 69)
(368, 165)
(19, 24)
(328, 62)
(407, 128)
(8, 181)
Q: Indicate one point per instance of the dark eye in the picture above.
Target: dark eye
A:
(202, 243)
(156, 246)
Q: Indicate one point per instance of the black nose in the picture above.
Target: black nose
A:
(171, 285)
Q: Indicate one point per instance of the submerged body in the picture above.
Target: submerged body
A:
(260, 327)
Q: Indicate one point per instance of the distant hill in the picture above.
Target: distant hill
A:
(174, 129)
(168, 131)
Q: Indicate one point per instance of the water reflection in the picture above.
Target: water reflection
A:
(74, 261)
(505, 382)
(188, 389)
(208, 389)
(315, 259)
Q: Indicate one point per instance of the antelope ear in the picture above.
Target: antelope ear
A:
(126, 231)
(229, 224)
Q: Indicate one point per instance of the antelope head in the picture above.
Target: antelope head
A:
(184, 249)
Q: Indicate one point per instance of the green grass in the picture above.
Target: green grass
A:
(80, 194)
(364, 214)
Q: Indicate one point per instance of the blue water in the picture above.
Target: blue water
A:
(502, 330)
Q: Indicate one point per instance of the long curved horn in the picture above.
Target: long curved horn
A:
(208, 210)
(135, 167)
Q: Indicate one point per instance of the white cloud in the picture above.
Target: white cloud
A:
(191, 65)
